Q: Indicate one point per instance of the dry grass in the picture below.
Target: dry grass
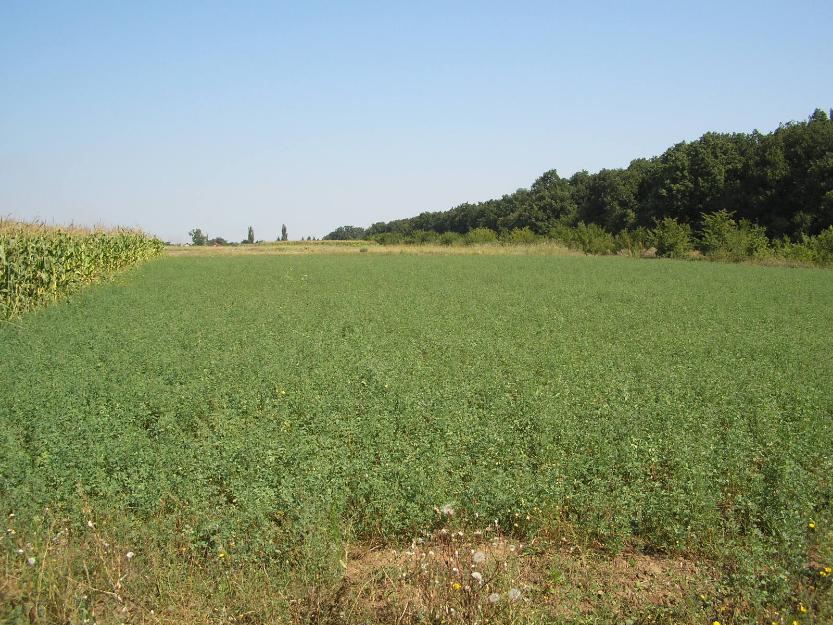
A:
(544, 248)
(66, 574)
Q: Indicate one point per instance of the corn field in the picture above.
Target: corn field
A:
(39, 263)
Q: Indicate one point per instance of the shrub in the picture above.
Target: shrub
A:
(422, 237)
(521, 236)
(723, 237)
(634, 242)
(800, 251)
(593, 239)
(671, 238)
(387, 238)
(823, 245)
(450, 238)
(480, 235)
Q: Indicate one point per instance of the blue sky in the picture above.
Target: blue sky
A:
(174, 115)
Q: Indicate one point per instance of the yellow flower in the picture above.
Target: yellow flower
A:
(802, 608)
(828, 570)
(812, 524)
(715, 622)
(456, 586)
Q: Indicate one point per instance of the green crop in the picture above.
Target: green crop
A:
(40, 264)
(264, 411)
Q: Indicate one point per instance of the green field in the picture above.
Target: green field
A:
(248, 423)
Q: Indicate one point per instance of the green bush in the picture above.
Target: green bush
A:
(634, 242)
(811, 250)
(824, 246)
(480, 235)
(724, 238)
(799, 251)
(388, 238)
(593, 239)
(450, 238)
(671, 238)
(589, 238)
(422, 237)
(520, 236)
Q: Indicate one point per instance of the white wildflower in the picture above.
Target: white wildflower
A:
(514, 594)
(494, 598)
(476, 575)
(479, 557)
(31, 560)
(447, 510)
(129, 555)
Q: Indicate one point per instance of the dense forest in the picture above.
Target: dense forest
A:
(779, 184)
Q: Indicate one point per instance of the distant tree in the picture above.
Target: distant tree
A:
(251, 237)
(346, 233)
(780, 181)
(284, 235)
(197, 237)
(218, 241)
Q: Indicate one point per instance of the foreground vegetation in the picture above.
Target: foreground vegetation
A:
(39, 264)
(350, 438)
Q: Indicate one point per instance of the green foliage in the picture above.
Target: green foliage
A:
(634, 242)
(589, 238)
(422, 237)
(824, 246)
(346, 233)
(450, 238)
(197, 237)
(387, 238)
(781, 181)
(724, 238)
(284, 233)
(39, 265)
(548, 404)
(522, 236)
(671, 238)
(807, 249)
(250, 236)
(480, 235)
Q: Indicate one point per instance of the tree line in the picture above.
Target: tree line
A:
(198, 237)
(778, 185)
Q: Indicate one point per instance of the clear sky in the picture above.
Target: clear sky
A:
(220, 115)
